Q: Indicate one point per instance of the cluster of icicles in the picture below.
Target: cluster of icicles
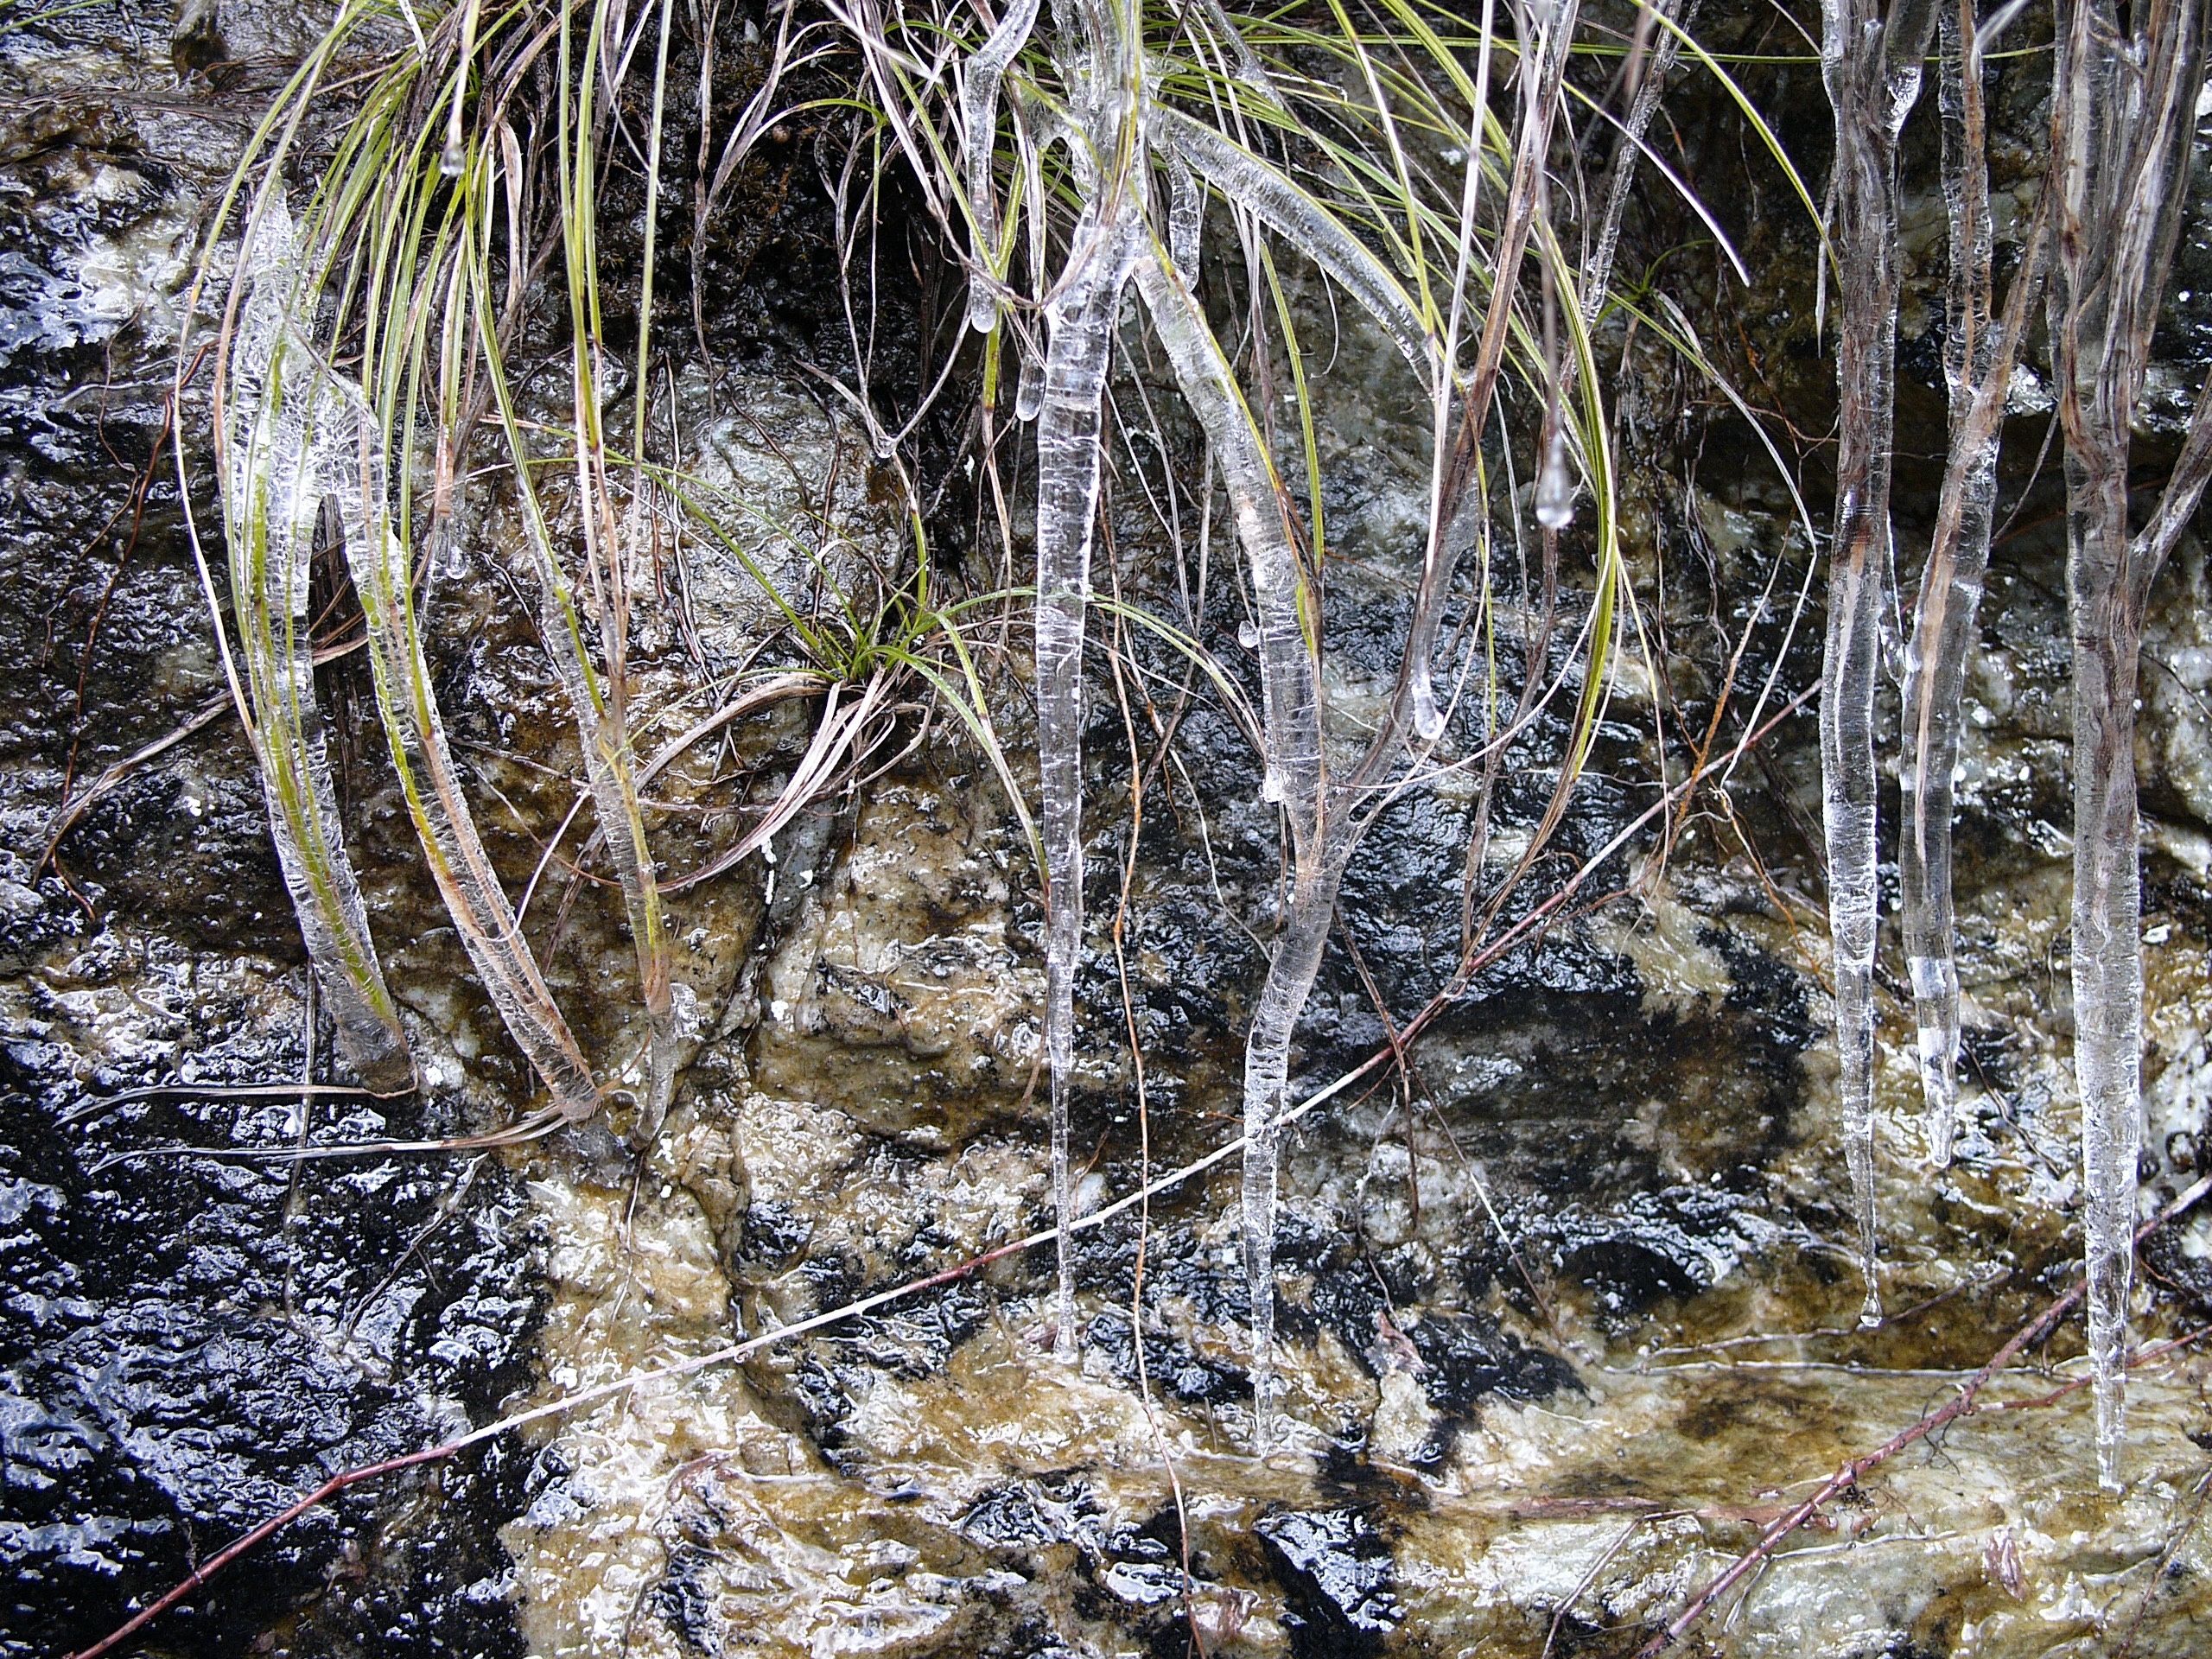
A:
(1123, 147)
(2123, 116)
(2123, 109)
(301, 442)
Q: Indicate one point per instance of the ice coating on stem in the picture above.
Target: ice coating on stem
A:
(1596, 278)
(1186, 208)
(340, 461)
(979, 119)
(272, 500)
(1269, 195)
(610, 772)
(1872, 77)
(466, 878)
(2123, 112)
(1290, 692)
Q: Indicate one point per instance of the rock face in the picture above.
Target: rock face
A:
(1567, 1305)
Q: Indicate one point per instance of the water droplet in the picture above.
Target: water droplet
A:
(1029, 396)
(1247, 635)
(451, 158)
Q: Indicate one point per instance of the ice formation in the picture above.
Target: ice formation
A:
(278, 437)
(1872, 81)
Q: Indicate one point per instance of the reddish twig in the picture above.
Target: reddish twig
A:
(1533, 923)
(1963, 1405)
(274, 1523)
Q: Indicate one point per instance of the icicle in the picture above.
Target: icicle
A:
(1079, 329)
(1290, 693)
(1871, 81)
(979, 115)
(1950, 595)
(272, 502)
(1428, 719)
(2123, 117)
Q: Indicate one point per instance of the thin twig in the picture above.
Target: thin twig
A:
(1963, 1404)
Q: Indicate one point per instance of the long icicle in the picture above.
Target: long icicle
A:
(2123, 112)
(272, 500)
(1080, 319)
(1950, 588)
(1290, 693)
(1871, 67)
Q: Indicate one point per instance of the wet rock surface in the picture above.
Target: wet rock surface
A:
(1566, 1312)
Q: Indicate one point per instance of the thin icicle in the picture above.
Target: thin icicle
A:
(1099, 54)
(1290, 692)
(1872, 77)
(1976, 369)
(1597, 274)
(272, 500)
(1029, 390)
(1079, 330)
(2124, 103)
(979, 120)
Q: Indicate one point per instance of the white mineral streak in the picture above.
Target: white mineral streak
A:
(2124, 111)
(979, 119)
(272, 500)
(1290, 692)
(1872, 81)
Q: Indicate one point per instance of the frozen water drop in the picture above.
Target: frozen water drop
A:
(1428, 719)
(1555, 488)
